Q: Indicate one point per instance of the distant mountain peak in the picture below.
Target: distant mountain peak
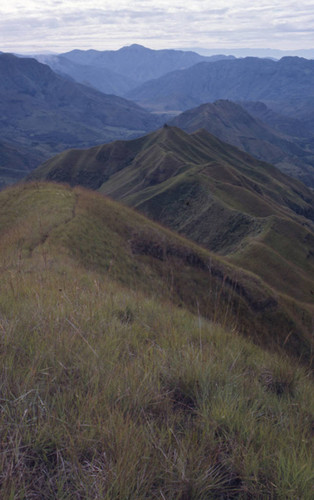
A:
(137, 62)
(135, 46)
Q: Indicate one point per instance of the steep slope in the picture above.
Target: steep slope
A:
(239, 79)
(48, 113)
(287, 125)
(109, 392)
(49, 220)
(211, 192)
(138, 63)
(99, 77)
(231, 123)
(16, 162)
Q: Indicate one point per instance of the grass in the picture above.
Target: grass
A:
(108, 393)
(48, 220)
(109, 390)
(260, 220)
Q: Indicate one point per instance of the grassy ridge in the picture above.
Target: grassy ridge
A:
(108, 393)
(212, 193)
(49, 219)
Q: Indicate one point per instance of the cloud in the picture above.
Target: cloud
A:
(62, 25)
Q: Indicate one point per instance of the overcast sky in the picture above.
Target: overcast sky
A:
(60, 25)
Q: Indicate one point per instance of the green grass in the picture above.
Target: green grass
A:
(109, 393)
(47, 220)
(213, 194)
(109, 390)
(107, 237)
(112, 388)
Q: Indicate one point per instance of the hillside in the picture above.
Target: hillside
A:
(110, 392)
(287, 125)
(16, 162)
(101, 235)
(99, 77)
(231, 123)
(248, 79)
(47, 113)
(211, 192)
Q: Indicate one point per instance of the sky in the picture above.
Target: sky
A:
(38, 26)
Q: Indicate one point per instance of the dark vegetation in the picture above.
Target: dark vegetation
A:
(16, 162)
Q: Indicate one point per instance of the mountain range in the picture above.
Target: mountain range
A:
(289, 80)
(256, 52)
(48, 113)
(44, 112)
(118, 71)
(157, 291)
(287, 125)
(231, 123)
(259, 219)
(98, 77)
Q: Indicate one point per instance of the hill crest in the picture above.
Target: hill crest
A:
(222, 198)
(105, 236)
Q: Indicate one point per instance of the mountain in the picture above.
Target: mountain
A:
(231, 123)
(259, 219)
(257, 52)
(101, 78)
(286, 124)
(110, 390)
(248, 79)
(16, 162)
(300, 108)
(138, 63)
(47, 113)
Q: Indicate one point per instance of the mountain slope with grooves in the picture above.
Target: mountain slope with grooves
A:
(220, 197)
(100, 78)
(53, 220)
